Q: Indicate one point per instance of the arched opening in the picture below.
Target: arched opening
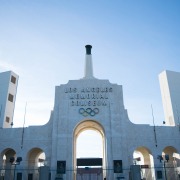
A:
(170, 162)
(36, 158)
(89, 144)
(142, 156)
(7, 166)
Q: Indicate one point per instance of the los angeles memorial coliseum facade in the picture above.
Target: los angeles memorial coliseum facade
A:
(130, 151)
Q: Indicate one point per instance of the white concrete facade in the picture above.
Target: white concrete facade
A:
(8, 90)
(88, 103)
(170, 91)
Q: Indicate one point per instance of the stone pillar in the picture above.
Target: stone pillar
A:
(109, 160)
(135, 172)
(9, 171)
(44, 173)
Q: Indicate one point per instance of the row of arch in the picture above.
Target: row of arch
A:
(36, 157)
(141, 156)
(29, 164)
(166, 163)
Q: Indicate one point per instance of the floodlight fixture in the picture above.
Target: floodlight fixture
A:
(19, 159)
(11, 159)
(167, 157)
(160, 157)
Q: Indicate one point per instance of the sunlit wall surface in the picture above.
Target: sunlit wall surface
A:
(8, 89)
(170, 89)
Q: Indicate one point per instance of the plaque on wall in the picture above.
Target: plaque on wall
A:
(61, 167)
(118, 166)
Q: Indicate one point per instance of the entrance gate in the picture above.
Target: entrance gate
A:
(90, 169)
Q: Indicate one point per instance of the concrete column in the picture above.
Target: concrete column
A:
(44, 173)
(135, 172)
(109, 158)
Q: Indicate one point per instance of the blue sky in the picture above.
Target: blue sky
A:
(133, 41)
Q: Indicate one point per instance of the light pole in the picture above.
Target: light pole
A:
(164, 160)
(15, 162)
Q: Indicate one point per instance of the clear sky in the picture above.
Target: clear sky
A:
(133, 41)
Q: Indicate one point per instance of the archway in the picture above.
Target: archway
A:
(170, 162)
(85, 126)
(142, 156)
(7, 167)
(89, 144)
(36, 158)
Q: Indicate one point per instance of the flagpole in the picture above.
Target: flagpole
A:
(22, 139)
(154, 126)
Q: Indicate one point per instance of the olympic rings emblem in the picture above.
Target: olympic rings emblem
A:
(88, 111)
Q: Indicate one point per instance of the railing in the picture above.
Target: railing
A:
(155, 173)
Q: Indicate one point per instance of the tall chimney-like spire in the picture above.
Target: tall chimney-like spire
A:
(88, 74)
